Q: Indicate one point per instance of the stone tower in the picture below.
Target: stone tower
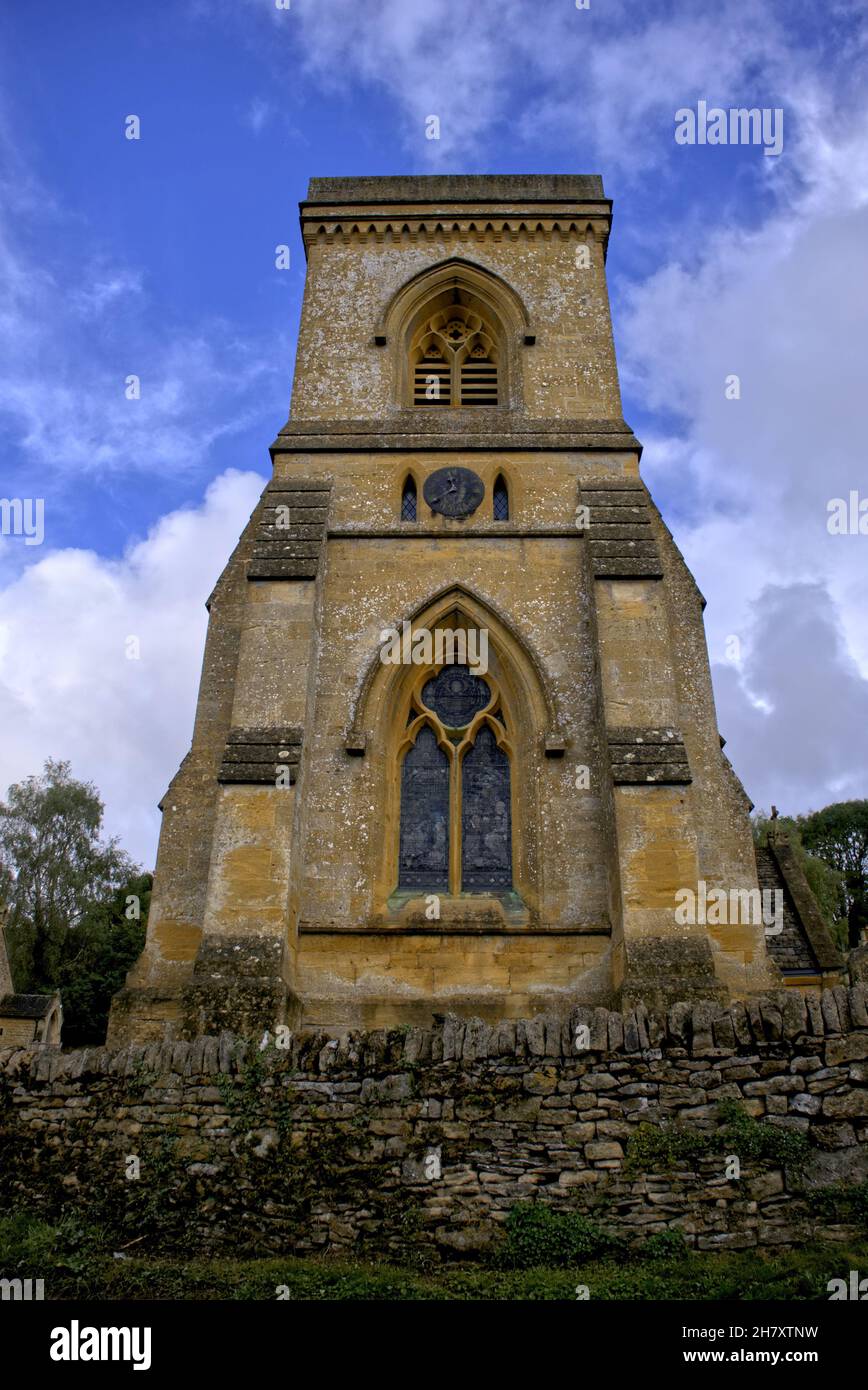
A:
(455, 746)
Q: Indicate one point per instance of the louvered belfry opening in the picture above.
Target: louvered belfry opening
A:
(432, 381)
(454, 356)
(478, 377)
(500, 501)
(408, 500)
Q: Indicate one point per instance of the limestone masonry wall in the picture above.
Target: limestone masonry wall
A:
(414, 1139)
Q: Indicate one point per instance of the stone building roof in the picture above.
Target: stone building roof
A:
(26, 1005)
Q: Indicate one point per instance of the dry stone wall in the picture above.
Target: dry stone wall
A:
(423, 1140)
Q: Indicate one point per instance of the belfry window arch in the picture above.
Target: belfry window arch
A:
(455, 354)
(474, 325)
(455, 832)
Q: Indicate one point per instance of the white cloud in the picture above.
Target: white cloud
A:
(797, 710)
(449, 59)
(90, 299)
(745, 483)
(70, 338)
(195, 388)
(63, 399)
(67, 688)
(258, 114)
(633, 80)
(609, 78)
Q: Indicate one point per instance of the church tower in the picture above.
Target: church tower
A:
(455, 746)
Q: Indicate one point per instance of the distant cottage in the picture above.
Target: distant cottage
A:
(25, 1018)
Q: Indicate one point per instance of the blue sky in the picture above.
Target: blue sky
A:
(156, 257)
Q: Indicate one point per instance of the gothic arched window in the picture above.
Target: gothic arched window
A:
(500, 501)
(456, 801)
(408, 499)
(454, 358)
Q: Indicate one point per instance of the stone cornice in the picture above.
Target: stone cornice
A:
(292, 523)
(622, 541)
(648, 757)
(465, 430)
(456, 207)
(256, 756)
(458, 530)
(363, 225)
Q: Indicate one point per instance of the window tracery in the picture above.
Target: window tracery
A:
(456, 797)
(454, 359)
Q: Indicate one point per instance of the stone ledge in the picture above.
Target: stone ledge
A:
(256, 756)
(490, 429)
(292, 550)
(642, 757)
(622, 544)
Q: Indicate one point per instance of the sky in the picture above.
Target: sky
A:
(155, 259)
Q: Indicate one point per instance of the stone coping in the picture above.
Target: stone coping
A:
(455, 188)
(837, 1017)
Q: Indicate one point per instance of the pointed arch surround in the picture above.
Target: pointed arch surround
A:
(456, 602)
(454, 752)
(455, 333)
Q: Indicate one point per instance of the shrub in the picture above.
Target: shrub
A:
(664, 1245)
(537, 1234)
(842, 1203)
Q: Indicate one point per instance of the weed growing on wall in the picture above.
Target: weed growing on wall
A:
(677, 1145)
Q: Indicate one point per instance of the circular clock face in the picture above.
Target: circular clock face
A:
(453, 491)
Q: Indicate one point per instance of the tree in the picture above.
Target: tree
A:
(54, 871)
(839, 836)
(97, 956)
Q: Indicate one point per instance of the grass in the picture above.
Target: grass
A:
(75, 1263)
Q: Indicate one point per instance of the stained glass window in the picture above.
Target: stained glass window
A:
(455, 695)
(423, 859)
(486, 821)
(431, 782)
